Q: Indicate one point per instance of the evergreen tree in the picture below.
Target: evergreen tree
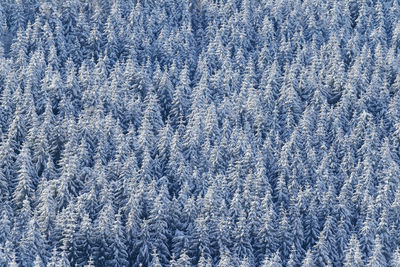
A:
(26, 178)
(38, 262)
(142, 245)
(158, 226)
(353, 255)
(274, 261)
(184, 259)
(226, 133)
(377, 258)
(308, 260)
(119, 253)
(242, 245)
(395, 259)
(285, 236)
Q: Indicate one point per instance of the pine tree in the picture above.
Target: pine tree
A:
(396, 258)
(83, 241)
(225, 259)
(13, 262)
(63, 260)
(45, 208)
(353, 255)
(184, 259)
(38, 262)
(26, 179)
(308, 260)
(158, 227)
(293, 257)
(155, 262)
(377, 258)
(368, 232)
(165, 94)
(273, 261)
(32, 241)
(54, 257)
(102, 248)
(119, 252)
(203, 262)
(180, 97)
(242, 245)
(5, 226)
(142, 245)
(90, 262)
(4, 190)
(285, 236)
(200, 242)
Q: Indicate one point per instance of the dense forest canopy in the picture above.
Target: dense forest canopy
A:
(210, 133)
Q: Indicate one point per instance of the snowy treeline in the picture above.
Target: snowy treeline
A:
(199, 133)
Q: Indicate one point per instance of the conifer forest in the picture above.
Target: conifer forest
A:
(210, 133)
